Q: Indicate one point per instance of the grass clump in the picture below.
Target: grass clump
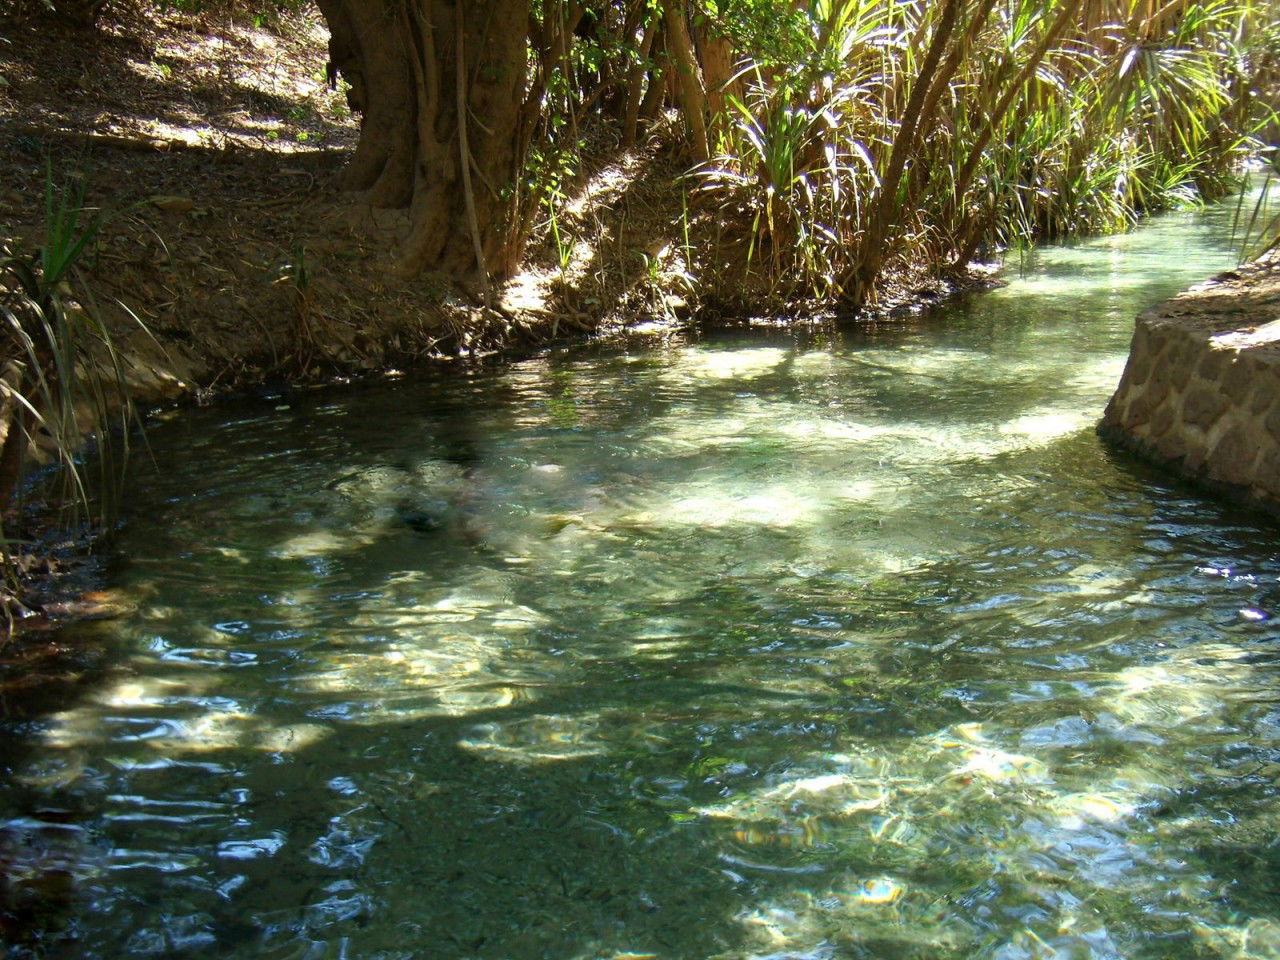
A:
(63, 380)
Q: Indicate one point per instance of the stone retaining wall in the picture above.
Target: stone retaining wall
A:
(1200, 394)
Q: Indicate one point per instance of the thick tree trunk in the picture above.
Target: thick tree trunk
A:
(716, 56)
(441, 91)
(693, 98)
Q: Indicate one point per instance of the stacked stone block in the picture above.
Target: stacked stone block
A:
(1201, 392)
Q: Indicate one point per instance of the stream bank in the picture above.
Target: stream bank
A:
(229, 261)
(229, 241)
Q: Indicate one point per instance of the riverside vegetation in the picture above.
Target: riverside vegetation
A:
(524, 170)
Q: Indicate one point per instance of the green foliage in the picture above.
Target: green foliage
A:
(775, 31)
(1033, 119)
(64, 375)
(1257, 220)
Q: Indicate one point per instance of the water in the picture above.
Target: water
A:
(762, 646)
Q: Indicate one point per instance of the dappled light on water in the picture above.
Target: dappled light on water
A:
(825, 646)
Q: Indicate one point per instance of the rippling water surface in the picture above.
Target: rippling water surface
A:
(751, 647)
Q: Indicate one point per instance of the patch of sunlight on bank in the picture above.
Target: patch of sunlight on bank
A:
(1247, 338)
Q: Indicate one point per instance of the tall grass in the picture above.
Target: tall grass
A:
(63, 379)
(1257, 220)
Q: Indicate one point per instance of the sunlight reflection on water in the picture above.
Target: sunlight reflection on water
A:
(757, 647)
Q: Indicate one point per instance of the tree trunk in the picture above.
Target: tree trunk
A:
(716, 55)
(441, 91)
(889, 204)
(967, 243)
(659, 78)
(635, 85)
(693, 98)
(12, 453)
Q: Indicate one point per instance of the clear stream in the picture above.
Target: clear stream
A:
(760, 646)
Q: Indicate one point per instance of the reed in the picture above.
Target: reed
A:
(64, 379)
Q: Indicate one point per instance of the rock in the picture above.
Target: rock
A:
(173, 204)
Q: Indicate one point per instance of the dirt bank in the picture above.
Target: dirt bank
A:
(215, 141)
